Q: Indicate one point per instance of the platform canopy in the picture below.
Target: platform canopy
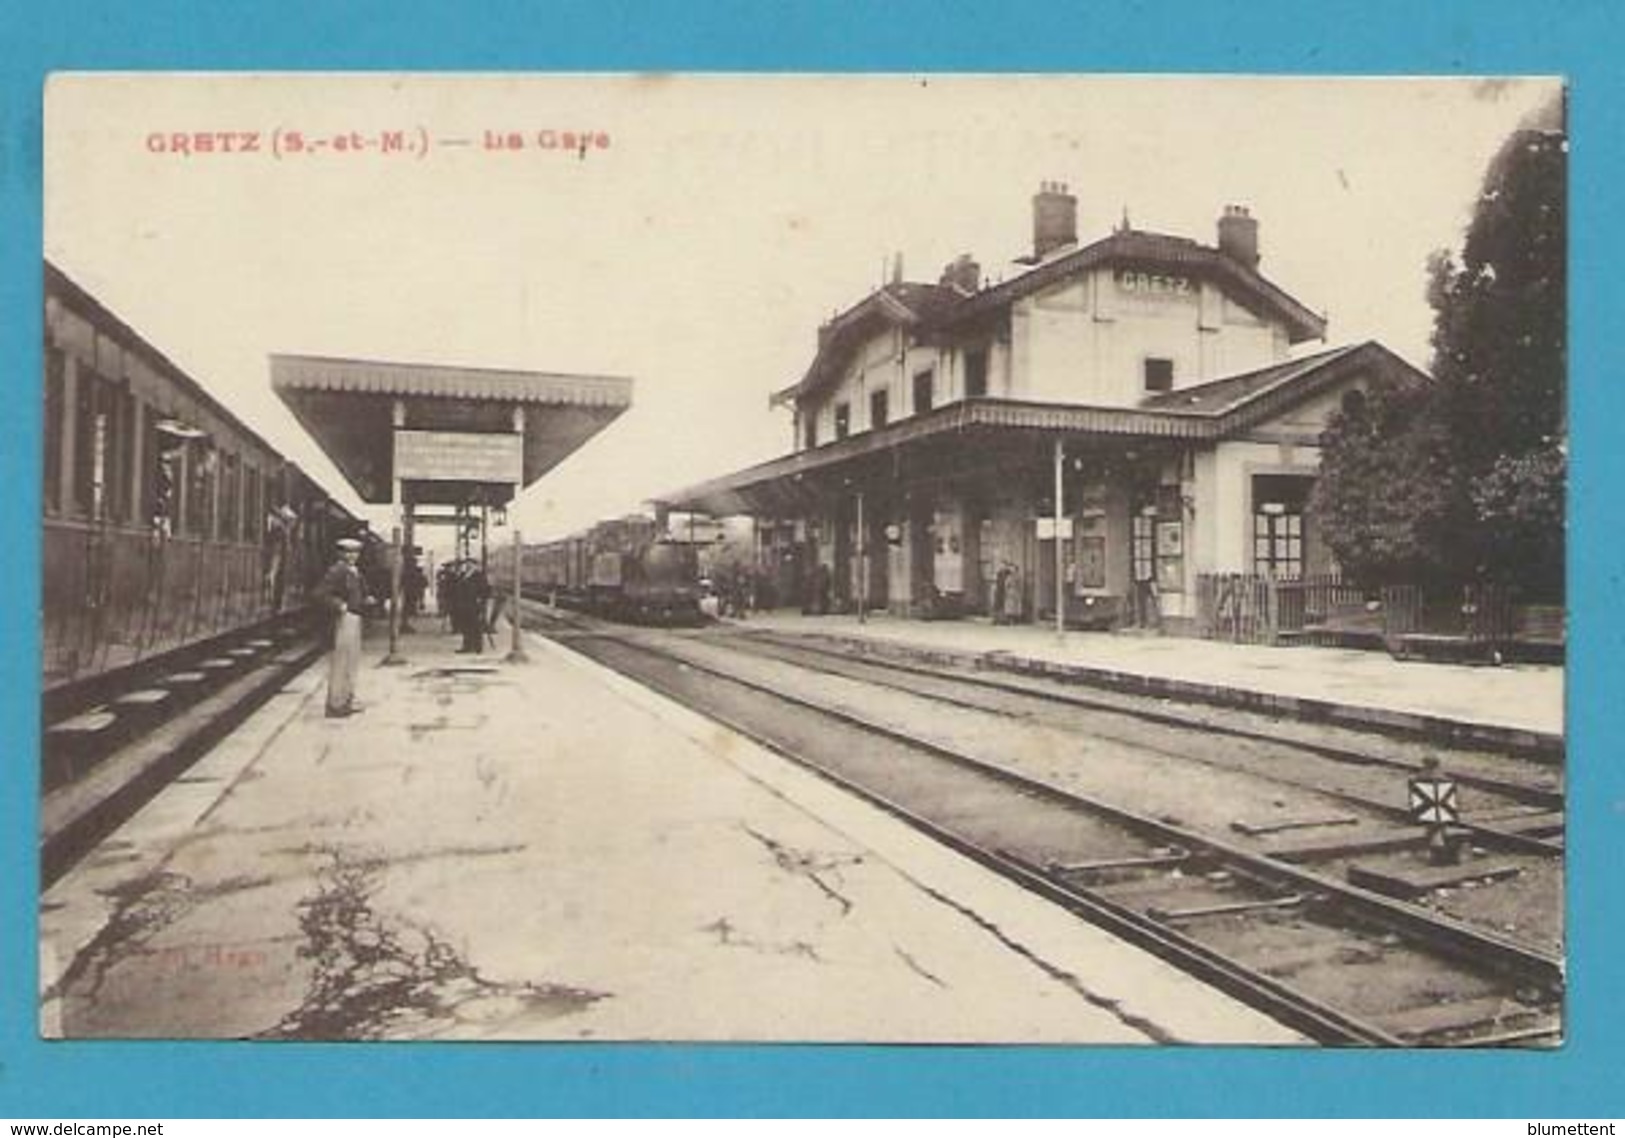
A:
(993, 438)
(448, 435)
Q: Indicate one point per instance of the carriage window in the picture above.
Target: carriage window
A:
(230, 488)
(158, 491)
(253, 508)
(201, 463)
(86, 416)
(102, 448)
(126, 480)
(55, 367)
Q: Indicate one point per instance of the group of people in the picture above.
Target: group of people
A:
(462, 593)
(342, 597)
(729, 592)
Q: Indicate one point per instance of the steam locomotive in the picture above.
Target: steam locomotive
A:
(623, 569)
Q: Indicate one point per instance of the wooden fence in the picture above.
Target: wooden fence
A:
(1249, 608)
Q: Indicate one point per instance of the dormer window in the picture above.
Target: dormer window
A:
(924, 390)
(843, 420)
(976, 373)
(809, 432)
(1159, 373)
(879, 412)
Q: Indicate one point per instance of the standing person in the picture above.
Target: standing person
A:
(444, 581)
(413, 586)
(469, 591)
(1013, 605)
(341, 593)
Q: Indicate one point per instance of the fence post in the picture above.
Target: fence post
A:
(1272, 609)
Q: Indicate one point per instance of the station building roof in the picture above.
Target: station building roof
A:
(941, 309)
(348, 407)
(984, 433)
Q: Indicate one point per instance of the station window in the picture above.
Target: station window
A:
(976, 373)
(1091, 551)
(843, 420)
(1278, 525)
(1278, 541)
(879, 409)
(1159, 373)
(924, 390)
(1143, 546)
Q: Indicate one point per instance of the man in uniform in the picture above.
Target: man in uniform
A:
(469, 592)
(341, 594)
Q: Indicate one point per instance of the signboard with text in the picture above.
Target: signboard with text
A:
(458, 456)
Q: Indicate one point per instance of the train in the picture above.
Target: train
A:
(167, 521)
(623, 569)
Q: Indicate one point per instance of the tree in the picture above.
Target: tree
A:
(1501, 362)
(1463, 479)
(1388, 497)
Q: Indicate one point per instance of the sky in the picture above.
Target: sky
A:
(712, 223)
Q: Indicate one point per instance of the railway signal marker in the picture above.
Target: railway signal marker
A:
(1433, 801)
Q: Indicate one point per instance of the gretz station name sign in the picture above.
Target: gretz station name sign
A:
(458, 456)
(1153, 284)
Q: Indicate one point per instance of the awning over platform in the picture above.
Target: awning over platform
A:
(353, 408)
(989, 435)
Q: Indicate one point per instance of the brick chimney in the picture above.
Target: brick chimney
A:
(1238, 235)
(962, 273)
(1055, 219)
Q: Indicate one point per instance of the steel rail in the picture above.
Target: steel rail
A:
(1486, 834)
(1476, 949)
(1290, 1007)
(1520, 792)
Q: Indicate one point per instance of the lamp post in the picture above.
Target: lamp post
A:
(1060, 552)
(516, 653)
(863, 565)
(394, 658)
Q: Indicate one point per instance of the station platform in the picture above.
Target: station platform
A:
(1517, 705)
(545, 850)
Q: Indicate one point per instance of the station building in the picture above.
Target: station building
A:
(1146, 400)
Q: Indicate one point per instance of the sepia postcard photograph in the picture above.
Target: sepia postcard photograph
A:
(934, 558)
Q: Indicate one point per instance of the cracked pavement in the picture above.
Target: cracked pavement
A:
(540, 853)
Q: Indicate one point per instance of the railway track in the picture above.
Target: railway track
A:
(110, 745)
(1343, 964)
(1519, 814)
